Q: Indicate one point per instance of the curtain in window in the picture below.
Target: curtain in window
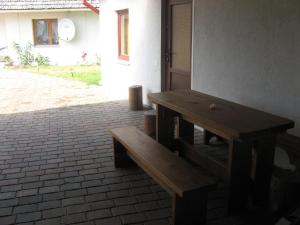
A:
(42, 34)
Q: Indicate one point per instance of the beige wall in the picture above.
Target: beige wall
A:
(249, 52)
(19, 29)
(2, 32)
(144, 37)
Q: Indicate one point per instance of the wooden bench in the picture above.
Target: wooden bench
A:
(187, 186)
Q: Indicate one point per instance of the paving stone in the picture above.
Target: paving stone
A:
(49, 189)
(78, 208)
(148, 197)
(51, 213)
(146, 206)
(98, 189)
(25, 208)
(12, 170)
(70, 186)
(30, 199)
(8, 182)
(76, 179)
(6, 220)
(103, 213)
(9, 202)
(125, 200)
(109, 221)
(158, 222)
(55, 182)
(49, 176)
(5, 211)
(74, 218)
(72, 201)
(85, 223)
(29, 179)
(32, 185)
(27, 192)
(49, 205)
(75, 193)
(158, 214)
(10, 188)
(91, 183)
(53, 196)
(7, 195)
(117, 194)
(102, 204)
(123, 210)
(53, 221)
(27, 217)
(133, 218)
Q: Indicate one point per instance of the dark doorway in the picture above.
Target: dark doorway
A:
(177, 44)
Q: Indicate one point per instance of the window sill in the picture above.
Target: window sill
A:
(46, 46)
(123, 62)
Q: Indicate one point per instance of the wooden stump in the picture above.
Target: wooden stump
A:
(150, 123)
(135, 98)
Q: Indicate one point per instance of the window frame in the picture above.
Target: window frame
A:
(121, 13)
(50, 31)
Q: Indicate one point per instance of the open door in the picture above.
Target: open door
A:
(178, 46)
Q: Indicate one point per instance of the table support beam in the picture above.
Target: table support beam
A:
(239, 169)
(165, 126)
(264, 149)
(186, 130)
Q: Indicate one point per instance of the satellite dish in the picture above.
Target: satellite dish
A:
(66, 29)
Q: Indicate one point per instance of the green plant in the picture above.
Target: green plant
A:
(7, 60)
(41, 60)
(25, 54)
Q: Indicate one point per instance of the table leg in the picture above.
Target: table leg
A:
(264, 149)
(165, 126)
(186, 131)
(239, 169)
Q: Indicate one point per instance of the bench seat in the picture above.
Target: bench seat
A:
(186, 184)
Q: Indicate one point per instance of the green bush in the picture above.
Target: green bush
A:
(25, 54)
(42, 60)
(8, 61)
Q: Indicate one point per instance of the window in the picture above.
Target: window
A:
(45, 32)
(123, 35)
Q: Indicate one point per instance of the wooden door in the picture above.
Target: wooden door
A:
(179, 44)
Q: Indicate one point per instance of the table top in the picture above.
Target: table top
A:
(222, 117)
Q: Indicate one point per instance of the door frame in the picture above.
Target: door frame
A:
(164, 37)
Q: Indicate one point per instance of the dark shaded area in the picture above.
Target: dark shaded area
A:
(56, 168)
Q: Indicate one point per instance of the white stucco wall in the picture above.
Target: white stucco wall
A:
(145, 46)
(18, 28)
(2, 32)
(249, 52)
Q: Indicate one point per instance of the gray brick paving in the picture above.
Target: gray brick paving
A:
(59, 169)
(56, 167)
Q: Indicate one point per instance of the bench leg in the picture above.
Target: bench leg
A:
(190, 210)
(121, 159)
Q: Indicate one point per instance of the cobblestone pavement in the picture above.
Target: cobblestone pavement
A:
(56, 158)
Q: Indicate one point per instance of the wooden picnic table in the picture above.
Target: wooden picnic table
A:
(245, 129)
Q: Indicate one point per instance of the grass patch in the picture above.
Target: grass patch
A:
(89, 74)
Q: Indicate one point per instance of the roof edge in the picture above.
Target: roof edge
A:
(43, 10)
